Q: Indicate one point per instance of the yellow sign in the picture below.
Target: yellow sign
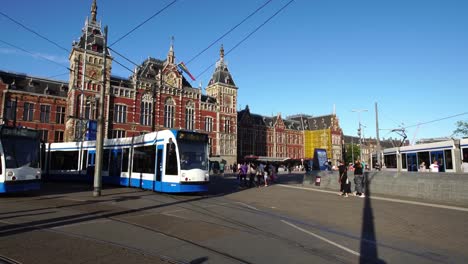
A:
(317, 139)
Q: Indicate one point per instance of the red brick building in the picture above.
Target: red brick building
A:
(155, 97)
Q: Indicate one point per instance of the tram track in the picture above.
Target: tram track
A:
(7, 260)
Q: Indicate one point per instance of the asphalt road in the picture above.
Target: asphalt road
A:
(282, 223)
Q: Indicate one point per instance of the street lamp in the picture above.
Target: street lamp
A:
(359, 129)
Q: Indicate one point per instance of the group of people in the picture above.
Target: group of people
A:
(258, 175)
(345, 183)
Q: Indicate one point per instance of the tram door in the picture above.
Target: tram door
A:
(115, 166)
(90, 165)
(159, 168)
(439, 156)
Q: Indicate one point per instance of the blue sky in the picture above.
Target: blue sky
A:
(408, 56)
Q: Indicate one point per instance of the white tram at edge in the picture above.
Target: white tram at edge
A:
(170, 161)
(449, 155)
(19, 159)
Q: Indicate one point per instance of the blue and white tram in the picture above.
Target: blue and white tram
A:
(464, 149)
(443, 152)
(19, 159)
(170, 161)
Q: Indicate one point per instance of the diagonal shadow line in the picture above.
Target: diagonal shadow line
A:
(12, 229)
(88, 202)
(22, 215)
(368, 243)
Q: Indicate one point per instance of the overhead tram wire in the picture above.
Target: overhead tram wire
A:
(229, 31)
(125, 58)
(34, 54)
(250, 34)
(142, 23)
(34, 32)
(437, 120)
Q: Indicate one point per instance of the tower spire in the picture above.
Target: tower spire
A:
(221, 53)
(170, 55)
(93, 11)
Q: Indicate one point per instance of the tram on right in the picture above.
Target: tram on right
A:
(449, 155)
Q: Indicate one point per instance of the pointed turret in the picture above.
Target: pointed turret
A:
(222, 74)
(93, 11)
(170, 54)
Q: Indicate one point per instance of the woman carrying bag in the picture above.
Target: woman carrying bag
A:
(345, 183)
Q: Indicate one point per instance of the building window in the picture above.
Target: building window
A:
(44, 134)
(28, 113)
(58, 137)
(189, 115)
(169, 112)
(227, 126)
(60, 115)
(10, 110)
(45, 113)
(118, 133)
(120, 113)
(208, 124)
(146, 110)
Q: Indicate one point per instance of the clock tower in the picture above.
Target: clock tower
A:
(86, 81)
(223, 88)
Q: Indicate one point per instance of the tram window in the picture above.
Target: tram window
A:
(64, 160)
(144, 159)
(403, 161)
(84, 160)
(171, 159)
(105, 160)
(390, 161)
(465, 154)
(424, 156)
(411, 162)
(448, 159)
(1, 166)
(125, 159)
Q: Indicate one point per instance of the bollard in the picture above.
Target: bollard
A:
(317, 180)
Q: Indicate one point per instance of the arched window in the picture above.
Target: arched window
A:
(146, 110)
(189, 115)
(90, 108)
(169, 112)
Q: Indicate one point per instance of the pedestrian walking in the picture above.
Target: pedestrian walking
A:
(243, 174)
(252, 173)
(345, 183)
(359, 178)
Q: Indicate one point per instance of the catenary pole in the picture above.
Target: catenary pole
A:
(377, 135)
(100, 126)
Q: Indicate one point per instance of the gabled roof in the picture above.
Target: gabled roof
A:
(265, 121)
(313, 122)
(151, 67)
(221, 73)
(208, 99)
(36, 85)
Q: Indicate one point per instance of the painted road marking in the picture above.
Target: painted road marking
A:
(456, 208)
(323, 239)
(249, 206)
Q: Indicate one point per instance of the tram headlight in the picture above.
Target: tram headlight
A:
(183, 174)
(10, 174)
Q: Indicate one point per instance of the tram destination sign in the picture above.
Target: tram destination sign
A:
(190, 136)
(20, 132)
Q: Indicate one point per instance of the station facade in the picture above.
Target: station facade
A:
(155, 96)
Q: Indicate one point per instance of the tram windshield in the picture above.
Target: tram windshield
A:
(20, 151)
(193, 155)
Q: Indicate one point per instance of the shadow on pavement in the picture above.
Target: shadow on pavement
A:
(368, 245)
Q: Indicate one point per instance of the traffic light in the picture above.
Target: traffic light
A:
(359, 132)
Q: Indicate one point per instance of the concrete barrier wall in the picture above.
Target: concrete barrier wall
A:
(443, 187)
